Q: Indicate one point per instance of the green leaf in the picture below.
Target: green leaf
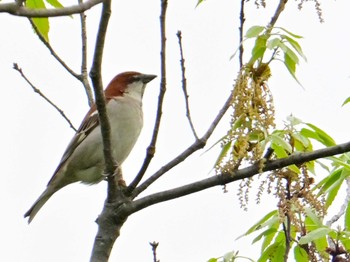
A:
(229, 256)
(199, 2)
(258, 49)
(330, 180)
(344, 237)
(332, 194)
(300, 254)
(262, 222)
(347, 217)
(55, 3)
(340, 162)
(254, 31)
(295, 45)
(304, 141)
(291, 66)
(223, 152)
(325, 139)
(290, 33)
(273, 43)
(267, 232)
(321, 246)
(346, 101)
(275, 139)
(270, 253)
(315, 234)
(213, 260)
(287, 51)
(268, 238)
(314, 218)
(42, 24)
(294, 121)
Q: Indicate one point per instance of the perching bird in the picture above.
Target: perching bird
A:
(83, 159)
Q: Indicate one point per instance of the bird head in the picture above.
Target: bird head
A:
(128, 84)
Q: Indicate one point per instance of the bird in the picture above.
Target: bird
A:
(83, 160)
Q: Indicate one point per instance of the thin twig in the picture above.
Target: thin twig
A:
(17, 9)
(184, 85)
(84, 74)
(154, 246)
(241, 20)
(152, 146)
(36, 90)
(53, 53)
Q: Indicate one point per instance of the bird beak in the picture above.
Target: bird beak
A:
(146, 78)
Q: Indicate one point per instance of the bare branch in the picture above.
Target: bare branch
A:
(108, 224)
(95, 74)
(152, 147)
(154, 246)
(17, 9)
(223, 179)
(184, 85)
(53, 53)
(241, 20)
(36, 90)
(198, 144)
(278, 11)
(84, 74)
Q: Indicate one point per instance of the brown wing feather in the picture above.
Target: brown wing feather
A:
(88, 124)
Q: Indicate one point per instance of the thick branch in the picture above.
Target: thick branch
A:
(19, 10)
(223, 179)
(96, 78)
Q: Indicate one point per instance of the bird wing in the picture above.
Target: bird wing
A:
(90, 122)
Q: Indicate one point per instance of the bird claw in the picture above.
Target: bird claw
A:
(118, 176)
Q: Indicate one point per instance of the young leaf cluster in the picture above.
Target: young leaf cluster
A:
(278, 41)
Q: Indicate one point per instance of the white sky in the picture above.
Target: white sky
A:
(192, 228)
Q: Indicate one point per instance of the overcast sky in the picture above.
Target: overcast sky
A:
(193, 228)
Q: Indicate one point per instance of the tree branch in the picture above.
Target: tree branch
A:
(95, 74)
(184, 85)
(18, 10)
(53, 53)
(36, 90)
(225, 178)
(198, 144)
(241, 20)
(151, 149)
(84, 75)
(278, 11)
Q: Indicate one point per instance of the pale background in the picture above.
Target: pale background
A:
(193, 228)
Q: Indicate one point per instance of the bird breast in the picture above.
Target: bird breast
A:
(126, 121)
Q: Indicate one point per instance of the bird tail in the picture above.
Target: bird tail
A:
(38, 204)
